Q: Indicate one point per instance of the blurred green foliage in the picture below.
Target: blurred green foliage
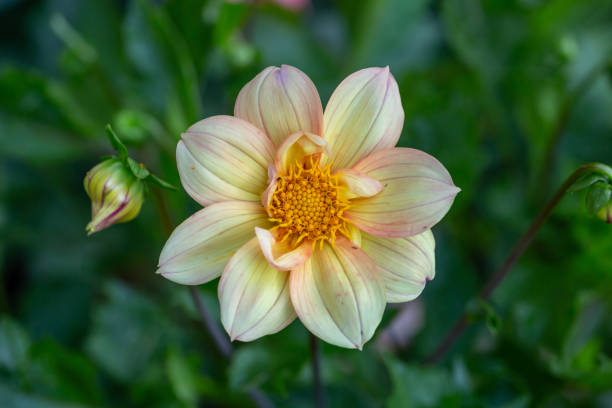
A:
(510, 95)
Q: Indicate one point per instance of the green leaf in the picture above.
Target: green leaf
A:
(37, 142)
(415, 386)
(62, 374)
(14, 344)
(599, 195)
(138, 169)
(256, 365)
(10, 397)
(248, 367)
(229, 19)
(73, 40)
(161, 53)
(398, 33)
(182, 376)
(126, 332)
(36, 98)
(116, 143)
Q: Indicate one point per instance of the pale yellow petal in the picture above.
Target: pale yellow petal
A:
(296, 147)
(339, 294)
(199, 248)
(266, 197)
(279, 254)
(254, 297)
(223, 158)
(363, 115)
(407, 264)
(417, 193)
(281, 101)
(358, 184)
(354, 234)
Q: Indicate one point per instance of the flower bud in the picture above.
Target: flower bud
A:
(599, 201)
(605, 213)
(116, 194)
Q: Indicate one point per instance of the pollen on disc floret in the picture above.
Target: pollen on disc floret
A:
(307, 204)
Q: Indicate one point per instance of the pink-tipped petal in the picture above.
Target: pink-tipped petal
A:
(296, 147)
(406, 264)
(199, 248)
(363, 115)
(358, 184)
(254, 297)
(279, 254)
(339, 294)
(223, 158)
(281, 101)
(417, 193)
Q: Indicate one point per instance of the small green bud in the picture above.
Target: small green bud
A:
(599, 199)
(116, 194)
(605, 213)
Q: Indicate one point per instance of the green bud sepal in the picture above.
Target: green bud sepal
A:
(138, 169)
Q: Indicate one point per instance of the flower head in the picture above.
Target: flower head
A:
(116, 194)
(308, 213)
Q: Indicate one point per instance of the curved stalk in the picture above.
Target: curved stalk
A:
(519, 248)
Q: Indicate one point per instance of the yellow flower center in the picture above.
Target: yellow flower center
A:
(307, 204)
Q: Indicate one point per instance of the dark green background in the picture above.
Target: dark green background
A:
(511, 96)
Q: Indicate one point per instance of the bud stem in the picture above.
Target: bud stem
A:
(519, 248)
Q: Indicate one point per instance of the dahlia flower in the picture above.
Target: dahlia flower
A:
(116, 194)
(308, 214)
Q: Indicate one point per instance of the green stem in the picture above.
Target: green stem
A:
(164, 215)
(519, 248)
(563, 120)
(315, 356)
(219, 338)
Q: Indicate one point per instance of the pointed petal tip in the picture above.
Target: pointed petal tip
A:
(367, 106)
(281, 101)
(254, 297)
(384, 71)
(91, 228)
(339, 295)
